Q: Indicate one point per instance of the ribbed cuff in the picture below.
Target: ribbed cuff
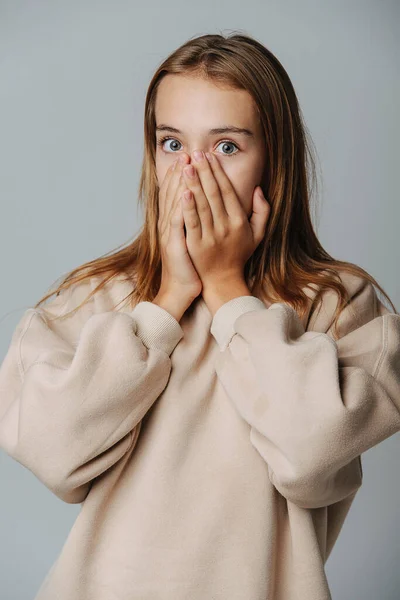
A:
(156, 327)
(222, 323)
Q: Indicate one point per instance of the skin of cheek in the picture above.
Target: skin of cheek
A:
(244, 180)
(245, 176)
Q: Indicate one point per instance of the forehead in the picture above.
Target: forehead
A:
(184, 100)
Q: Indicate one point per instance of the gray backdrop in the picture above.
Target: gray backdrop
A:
(73, 76)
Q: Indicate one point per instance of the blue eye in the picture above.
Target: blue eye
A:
(228, 143)
(162, 140)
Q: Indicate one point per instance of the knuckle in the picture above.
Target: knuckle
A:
(203, 209)
(225, 190)
(193, 222)
(237, 221)
(223, 231)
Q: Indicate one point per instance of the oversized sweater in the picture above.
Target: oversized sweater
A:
(214, 458)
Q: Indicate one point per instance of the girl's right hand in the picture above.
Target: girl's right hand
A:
(179, 276)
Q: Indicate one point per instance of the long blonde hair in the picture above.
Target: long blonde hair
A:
(290, 255)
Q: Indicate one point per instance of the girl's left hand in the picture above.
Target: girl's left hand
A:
(219, 236)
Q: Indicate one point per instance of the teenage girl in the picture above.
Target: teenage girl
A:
(206, 392)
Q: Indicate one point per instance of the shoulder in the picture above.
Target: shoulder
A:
(40, 328)
(87, 291)
(67, 312)
(363, 305)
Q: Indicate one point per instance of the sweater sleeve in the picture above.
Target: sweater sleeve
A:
(313, 404)
(68, 412)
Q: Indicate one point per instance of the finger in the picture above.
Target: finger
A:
(206, 193)
(168, 201)
(174, 188)
(201, 200)
(191, 216)
(177, 222)
(232, 203)
(162, 193)
(210, 205)
(177, 188)
(170, 210)
(260, 215)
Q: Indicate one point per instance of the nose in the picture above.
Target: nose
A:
(184, 158)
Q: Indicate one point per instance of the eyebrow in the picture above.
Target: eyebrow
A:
(214, 131)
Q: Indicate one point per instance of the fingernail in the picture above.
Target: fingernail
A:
(198, 155)
(189, 171)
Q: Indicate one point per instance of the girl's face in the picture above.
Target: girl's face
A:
(188, 108)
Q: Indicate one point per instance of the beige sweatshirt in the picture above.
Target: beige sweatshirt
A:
(214, 458)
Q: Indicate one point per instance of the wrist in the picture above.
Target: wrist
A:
(223, 291)
(175, 305)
